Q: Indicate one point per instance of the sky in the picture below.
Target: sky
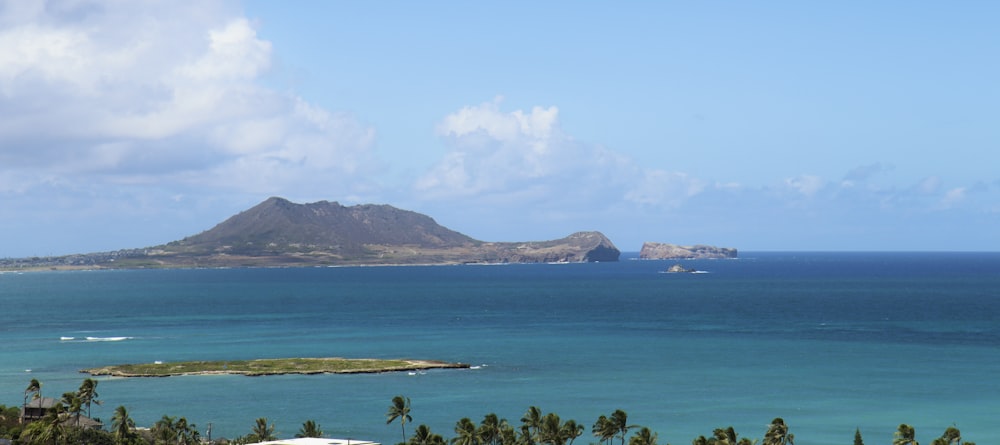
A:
(777, 125)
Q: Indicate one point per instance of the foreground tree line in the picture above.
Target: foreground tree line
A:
(537, 428)
(67, 421)
(62, 424)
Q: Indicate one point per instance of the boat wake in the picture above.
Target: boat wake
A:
(108, 338)
(93, 339)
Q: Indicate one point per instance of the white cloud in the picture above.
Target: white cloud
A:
(953, 197)
(495, 151)
(160, 92)
(234, 53)
(539, 125)
(659, 187)
(806, 185)
(524, 158)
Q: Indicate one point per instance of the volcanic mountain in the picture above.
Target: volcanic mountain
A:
(278, 232)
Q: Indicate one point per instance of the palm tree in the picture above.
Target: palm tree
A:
(424, 436)
(904, 435)
(571, 430)
(465, 433)
(88, 393)
(729, 435)
(604, 429)
(489, 429)
(619, 422)
(550, 430)
(777, 433)
(74, 406)
(400, 409)
(532, 419)
(951, 436)
(508, 435)
(186, 434)
(53, 423)
(262, 430)
(164, 431)
(524, 436)
(310, 429)
(34, 388)
(643, 437)
(121, 426)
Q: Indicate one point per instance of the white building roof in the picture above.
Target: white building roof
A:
(318, 441)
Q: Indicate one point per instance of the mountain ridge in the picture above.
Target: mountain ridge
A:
(324, 224)
(280, 233)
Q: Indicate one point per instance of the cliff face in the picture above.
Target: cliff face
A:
(576, 248)
(663, 251)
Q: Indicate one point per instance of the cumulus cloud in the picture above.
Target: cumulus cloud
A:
(526, 154)
(121, 92)
(495, 151)
(660, 187)
(806, 185)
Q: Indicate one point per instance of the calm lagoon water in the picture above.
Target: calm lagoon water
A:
(828, 341)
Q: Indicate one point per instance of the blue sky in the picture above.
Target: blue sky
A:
(755, 125)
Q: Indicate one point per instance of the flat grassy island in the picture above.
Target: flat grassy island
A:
(261, 367)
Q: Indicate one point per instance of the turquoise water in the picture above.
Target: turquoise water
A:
(828, 341)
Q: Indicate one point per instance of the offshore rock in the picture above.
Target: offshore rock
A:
(663, 251)
(679, 268)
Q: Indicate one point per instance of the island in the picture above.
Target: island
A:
(281, 233)
(262, 367)
(679, 268)
(665, 251)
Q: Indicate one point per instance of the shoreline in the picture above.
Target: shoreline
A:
(266, 367)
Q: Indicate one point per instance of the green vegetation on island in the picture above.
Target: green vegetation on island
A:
(261, 367)
(47, 421)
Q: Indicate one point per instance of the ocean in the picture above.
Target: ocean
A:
(830, 342)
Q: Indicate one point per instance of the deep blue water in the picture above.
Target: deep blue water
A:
(828, 341)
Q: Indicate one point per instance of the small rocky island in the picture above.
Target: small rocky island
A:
(262, 367)
(664, 251)
(679, 268)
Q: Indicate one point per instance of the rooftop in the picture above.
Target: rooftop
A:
(318, 441)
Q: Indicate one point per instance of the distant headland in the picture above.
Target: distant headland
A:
(280, 233)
